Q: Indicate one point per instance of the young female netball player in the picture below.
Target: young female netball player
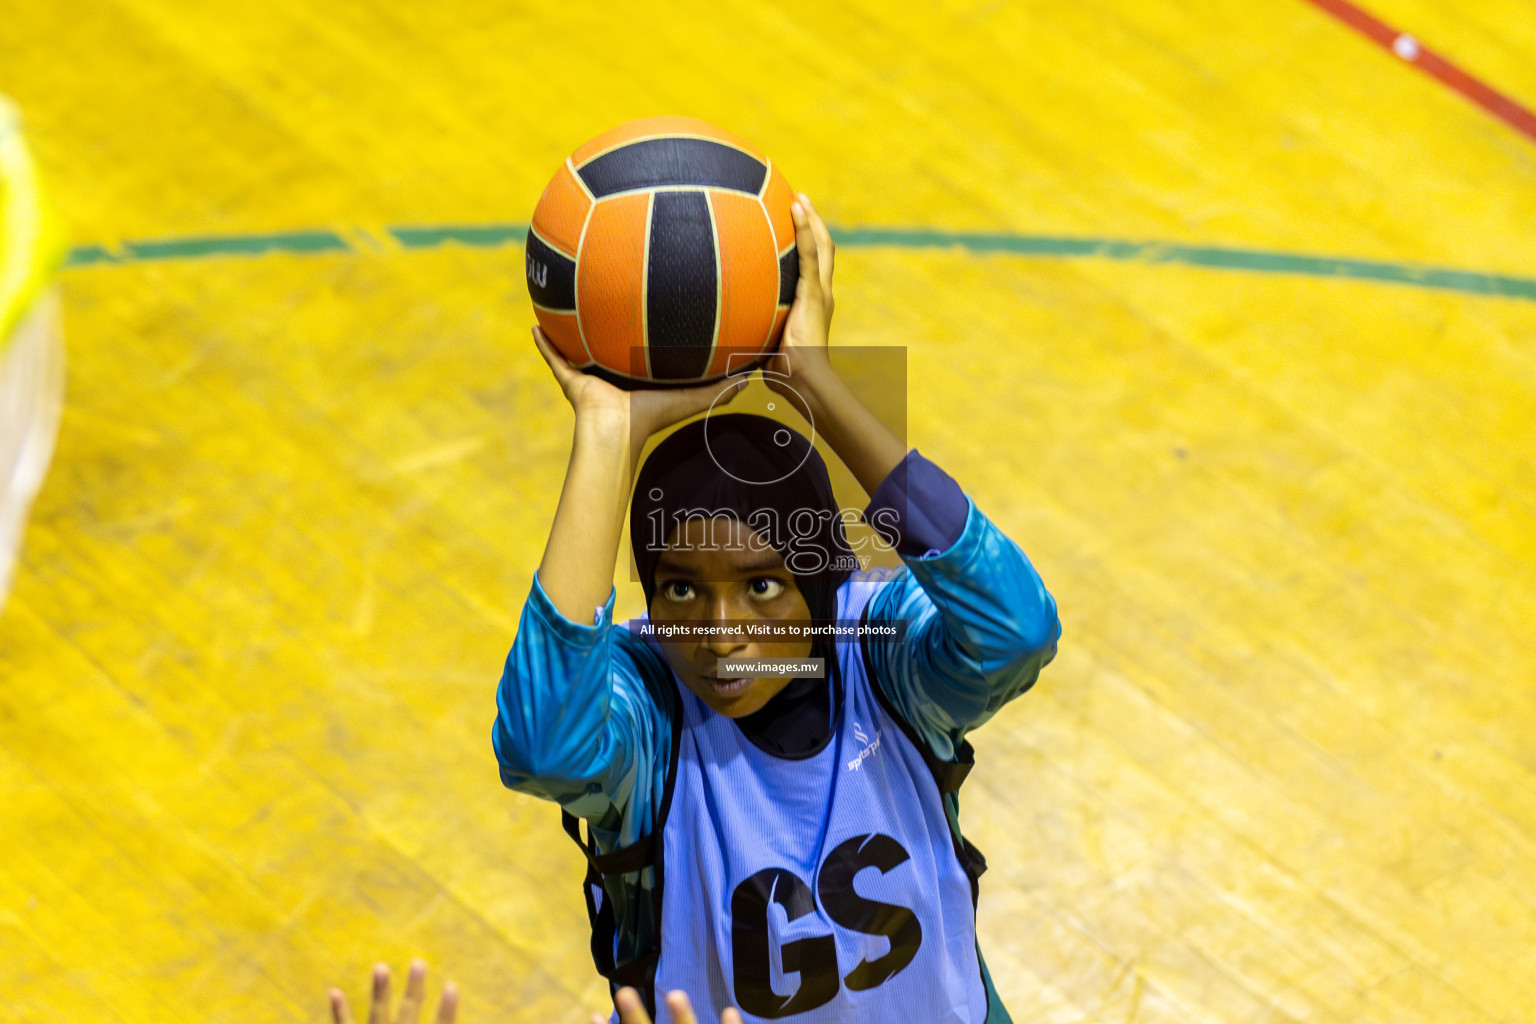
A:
(785, 844)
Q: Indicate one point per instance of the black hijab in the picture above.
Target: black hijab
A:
(770, 477)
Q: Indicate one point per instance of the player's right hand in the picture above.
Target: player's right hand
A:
(644, 411)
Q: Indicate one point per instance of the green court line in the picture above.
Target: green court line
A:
(1210, 257)
(483, 234)
(236, 245)
(85, 255)
(1199, 256)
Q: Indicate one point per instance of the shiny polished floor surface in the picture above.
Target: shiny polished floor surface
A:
(1227, 313)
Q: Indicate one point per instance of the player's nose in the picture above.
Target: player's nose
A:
(731, 638)
(723, 645)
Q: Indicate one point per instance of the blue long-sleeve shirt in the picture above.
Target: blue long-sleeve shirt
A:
(582, 713)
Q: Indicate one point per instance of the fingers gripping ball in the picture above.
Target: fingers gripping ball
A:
(662, 253)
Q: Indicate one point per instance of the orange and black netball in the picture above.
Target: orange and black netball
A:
(662, 254)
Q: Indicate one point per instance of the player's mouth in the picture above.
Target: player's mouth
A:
(724, 686)
(729, 687)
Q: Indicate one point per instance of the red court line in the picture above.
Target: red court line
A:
(1411, 50)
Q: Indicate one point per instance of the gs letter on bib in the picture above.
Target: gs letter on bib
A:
(871, 917)
(815, 958)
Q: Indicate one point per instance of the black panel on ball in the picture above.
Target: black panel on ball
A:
(789, 276)
(680, 285)
(551, 275)
(662, 162)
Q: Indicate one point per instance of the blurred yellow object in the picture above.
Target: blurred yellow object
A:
(31, 343)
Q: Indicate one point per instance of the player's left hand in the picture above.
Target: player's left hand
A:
(632, 1011)
(802, 351)
(410, 1007)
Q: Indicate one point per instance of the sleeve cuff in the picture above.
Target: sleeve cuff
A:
(567, 630)
(918, 508)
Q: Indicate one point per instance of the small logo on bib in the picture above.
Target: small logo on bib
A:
(866, 745)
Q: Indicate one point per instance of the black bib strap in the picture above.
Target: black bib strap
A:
(636, 856)
(639, 974)
(950, 774)
(609, 895)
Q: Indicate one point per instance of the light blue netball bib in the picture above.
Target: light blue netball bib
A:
(819, 890)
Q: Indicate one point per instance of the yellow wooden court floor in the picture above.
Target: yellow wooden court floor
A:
(1224, 311)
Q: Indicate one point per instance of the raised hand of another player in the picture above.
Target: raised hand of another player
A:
(644, 411)
(803, 349)
(632, 1011)
(410, 1006)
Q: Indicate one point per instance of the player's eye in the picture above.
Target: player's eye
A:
(676, 590)
(766, 588)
